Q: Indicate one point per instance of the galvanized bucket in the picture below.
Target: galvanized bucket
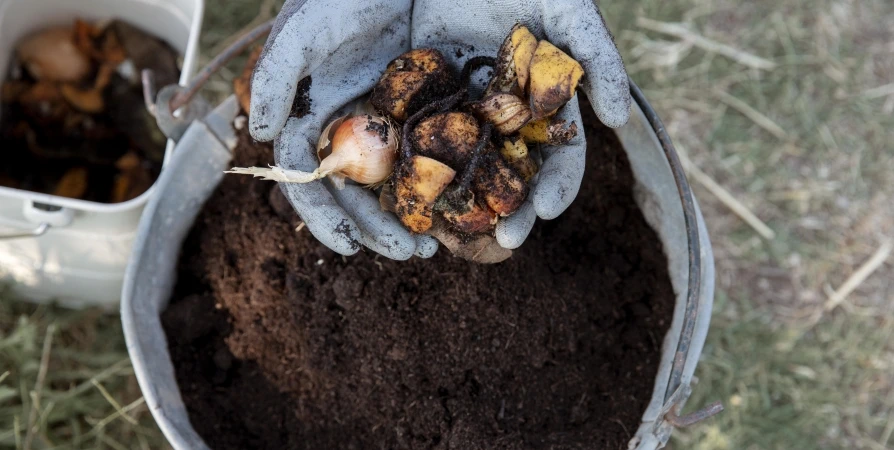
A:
(203, 153)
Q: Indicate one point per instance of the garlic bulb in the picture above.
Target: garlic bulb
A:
(362, 148)
(507, 112)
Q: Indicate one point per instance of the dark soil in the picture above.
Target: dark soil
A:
(279, 343)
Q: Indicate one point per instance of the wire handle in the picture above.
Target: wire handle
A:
(690, 314)
(38, 231)
(186, 93)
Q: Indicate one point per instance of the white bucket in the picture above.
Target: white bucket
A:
(80, 258)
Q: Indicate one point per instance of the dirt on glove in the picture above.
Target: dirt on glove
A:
(280, 343)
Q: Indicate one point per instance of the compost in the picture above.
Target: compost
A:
(280, 343)
(73, 122)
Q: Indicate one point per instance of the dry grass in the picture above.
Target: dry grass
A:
(804, 144)
(66, 382)
(786, 105)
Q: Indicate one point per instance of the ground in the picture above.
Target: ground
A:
(784, 108)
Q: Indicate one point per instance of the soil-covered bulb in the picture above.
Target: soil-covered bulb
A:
(412, 81)
(447, 137)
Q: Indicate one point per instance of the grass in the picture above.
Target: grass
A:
(66, 382)
(793, 388)
(805, 145)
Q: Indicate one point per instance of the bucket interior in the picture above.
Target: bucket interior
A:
(169, 21)
(172, 21)
(83, 263)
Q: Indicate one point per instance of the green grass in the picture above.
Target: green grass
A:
(66, 382)
(791, 388)
(791, 375)
(821, 185)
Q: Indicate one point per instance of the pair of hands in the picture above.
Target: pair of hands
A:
(344, 47)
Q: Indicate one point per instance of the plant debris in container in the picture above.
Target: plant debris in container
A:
(460, 165)
(280, 343)
(73, 121)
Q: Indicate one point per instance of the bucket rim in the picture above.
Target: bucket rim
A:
(676, 393)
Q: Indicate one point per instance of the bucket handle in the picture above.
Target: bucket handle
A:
(38, 231)
(42, 214)
(674, 397)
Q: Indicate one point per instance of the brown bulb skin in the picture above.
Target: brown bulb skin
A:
(499, 186)
(419, 182)
(412, 81)
(473, 219)
(448, 137)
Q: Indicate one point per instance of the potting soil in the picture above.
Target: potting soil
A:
(280, 343)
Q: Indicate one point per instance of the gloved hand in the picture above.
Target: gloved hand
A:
(462, 29)
(345, 46)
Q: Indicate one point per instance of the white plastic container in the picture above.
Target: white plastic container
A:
(80, 258)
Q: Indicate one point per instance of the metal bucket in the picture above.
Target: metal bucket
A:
(661, 191)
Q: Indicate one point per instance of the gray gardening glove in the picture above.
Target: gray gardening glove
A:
(343, 46)
(345, 61)
(461, 29)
